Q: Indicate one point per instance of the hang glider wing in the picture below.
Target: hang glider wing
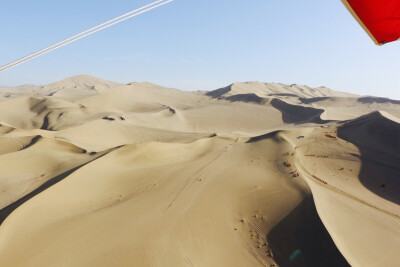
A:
(379, 18)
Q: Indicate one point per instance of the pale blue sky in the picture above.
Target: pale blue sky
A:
(199, 44)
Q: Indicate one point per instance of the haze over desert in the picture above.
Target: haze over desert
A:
(99, 173)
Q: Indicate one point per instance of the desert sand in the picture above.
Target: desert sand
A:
(98, 173)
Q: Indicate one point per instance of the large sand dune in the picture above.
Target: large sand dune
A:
(97, 173)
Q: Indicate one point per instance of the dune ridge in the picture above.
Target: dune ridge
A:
(97, 173)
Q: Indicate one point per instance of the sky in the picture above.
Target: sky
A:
(199, 44)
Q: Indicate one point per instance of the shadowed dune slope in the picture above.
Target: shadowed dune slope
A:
(377, 136)
(354, 184)
(378, 130)
(297, 114)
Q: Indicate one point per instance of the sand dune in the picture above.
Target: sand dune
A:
(72, 88)
(96, 173)
(354, 187)
(275, 90)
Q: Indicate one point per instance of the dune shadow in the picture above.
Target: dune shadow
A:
(301, 239)
(45, 125)
(219, 92)
(378, 100)
(313, 99)
(283, 94)
(33, 141)
(298, 114)
(262, 137)
(378, 142)
(247, 98)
